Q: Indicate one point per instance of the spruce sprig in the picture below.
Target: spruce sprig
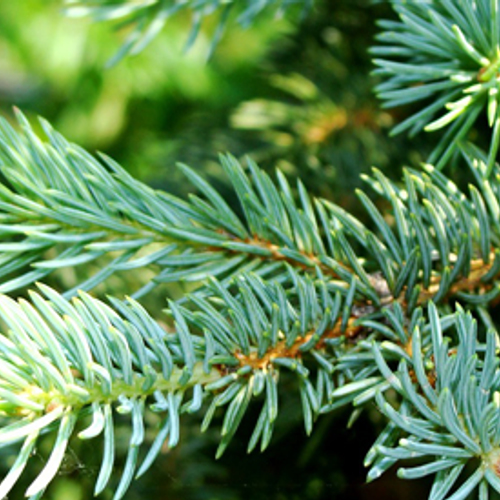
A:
(81, 360)
(445, 54)
(449, 414)
(65, 362)
(62, 199)
(147, 18)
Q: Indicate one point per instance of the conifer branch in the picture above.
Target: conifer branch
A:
(94, 212)
(64, 361)
(450, 423)
(446, 54)
(147, 18)
(63, 200)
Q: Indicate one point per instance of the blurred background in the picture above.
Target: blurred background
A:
(291, 94)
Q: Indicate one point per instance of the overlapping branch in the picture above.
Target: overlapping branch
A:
(444, 55)
(147, 18)
(63, 200)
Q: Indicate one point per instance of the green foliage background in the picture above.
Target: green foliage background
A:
(292, 95)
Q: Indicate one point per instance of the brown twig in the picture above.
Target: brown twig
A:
(478, 269)
(278, 256)
(281, 350)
